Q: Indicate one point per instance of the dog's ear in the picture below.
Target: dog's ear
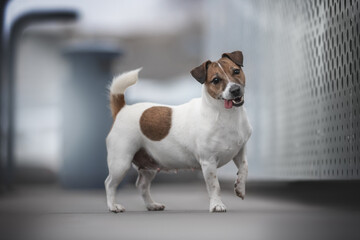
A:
(236, 57)
(199, 73)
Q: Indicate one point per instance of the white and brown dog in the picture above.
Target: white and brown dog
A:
(205, 133)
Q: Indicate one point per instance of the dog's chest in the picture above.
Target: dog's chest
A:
(226, 138)
(222, 140)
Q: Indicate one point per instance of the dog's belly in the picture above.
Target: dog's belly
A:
(156, 158)
(161, 156)
(169, 155)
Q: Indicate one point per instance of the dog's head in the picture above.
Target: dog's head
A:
(224, 79)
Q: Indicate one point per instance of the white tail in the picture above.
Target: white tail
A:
(123, 81)
(118, 87)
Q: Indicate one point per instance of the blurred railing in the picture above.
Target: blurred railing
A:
(303, 86)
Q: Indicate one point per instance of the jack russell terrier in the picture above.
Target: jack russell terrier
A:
(205, 133)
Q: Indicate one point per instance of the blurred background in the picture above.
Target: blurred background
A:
(301, 60)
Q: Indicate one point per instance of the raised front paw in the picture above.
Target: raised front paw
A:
(239, 188)
(155, 207)
(217, 207)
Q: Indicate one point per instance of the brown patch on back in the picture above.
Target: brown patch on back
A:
(144, 161)
(117, 102)
(155, 122)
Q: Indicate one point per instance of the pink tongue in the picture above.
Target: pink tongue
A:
(228, 104)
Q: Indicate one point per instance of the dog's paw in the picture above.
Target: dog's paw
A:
(218, 207)
(240, 194)
(116, 208)
(155, 207)
(239, 189)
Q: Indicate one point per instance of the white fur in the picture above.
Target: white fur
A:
(203, 135)
(123, 81)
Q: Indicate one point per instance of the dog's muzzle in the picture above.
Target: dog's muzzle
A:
(236, 102)
(238, 97)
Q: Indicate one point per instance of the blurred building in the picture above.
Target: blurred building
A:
(167, 50)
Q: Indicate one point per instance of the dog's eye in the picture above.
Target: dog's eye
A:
(236, 71)
(215, 80)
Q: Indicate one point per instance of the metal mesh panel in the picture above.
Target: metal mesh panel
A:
(302, 66)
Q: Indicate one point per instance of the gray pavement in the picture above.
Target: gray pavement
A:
(52, 213)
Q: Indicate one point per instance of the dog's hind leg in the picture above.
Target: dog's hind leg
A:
(143, 184)
(119, 162)
(111, 183)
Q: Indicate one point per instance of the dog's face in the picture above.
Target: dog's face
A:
(224, 79)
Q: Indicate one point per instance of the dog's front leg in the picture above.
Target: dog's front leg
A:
(209, 168)
(240, 161)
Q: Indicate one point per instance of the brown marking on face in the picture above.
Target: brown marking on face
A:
(242, 79)
(225, 74)
(117, 102)
(229, 67)
(214, 71)
(144, 161)
(155, 122)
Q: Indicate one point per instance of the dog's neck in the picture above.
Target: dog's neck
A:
(216, 105)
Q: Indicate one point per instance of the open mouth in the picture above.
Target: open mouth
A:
(236, 102)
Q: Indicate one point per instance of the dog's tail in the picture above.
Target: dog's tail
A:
(118, 87)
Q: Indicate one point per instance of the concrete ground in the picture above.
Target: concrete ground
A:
(268, 212)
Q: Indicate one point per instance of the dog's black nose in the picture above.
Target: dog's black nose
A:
(235, 90)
